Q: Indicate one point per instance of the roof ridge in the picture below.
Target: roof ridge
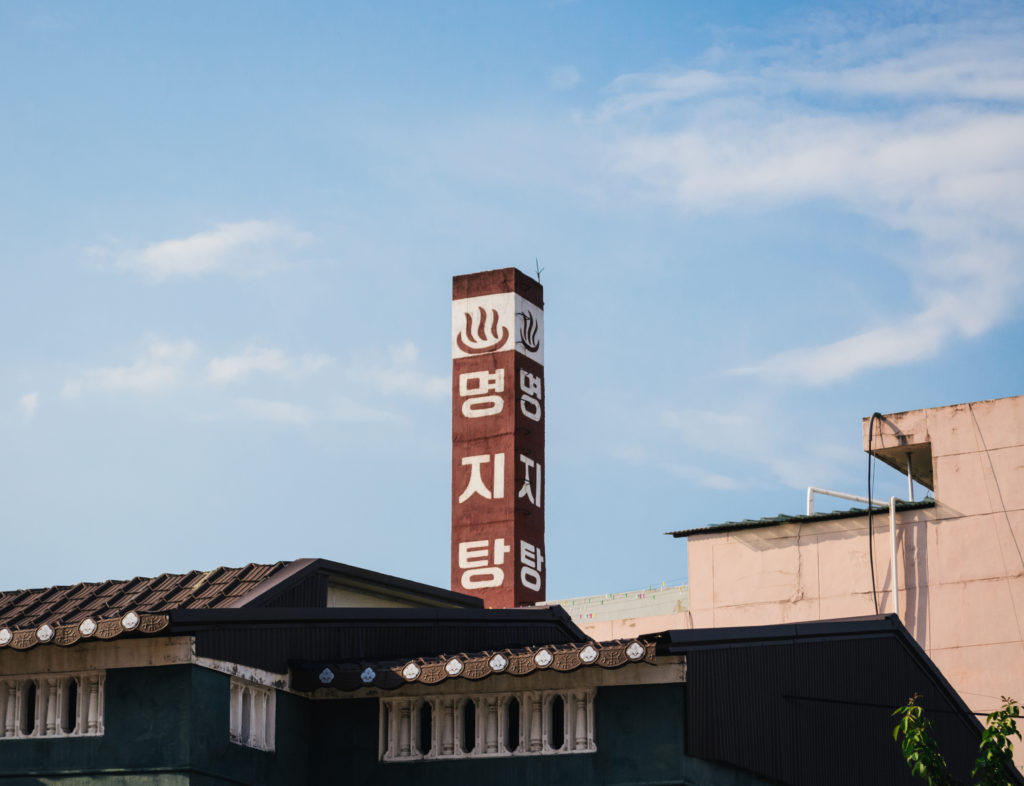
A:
(164, 575)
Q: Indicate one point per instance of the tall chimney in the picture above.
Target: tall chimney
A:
(498, 477)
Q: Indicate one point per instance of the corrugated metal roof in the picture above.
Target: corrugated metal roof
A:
(782, 518)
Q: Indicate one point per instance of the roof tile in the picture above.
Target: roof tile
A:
(69, 605)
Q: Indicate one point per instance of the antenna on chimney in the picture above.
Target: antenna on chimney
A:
(540, 270)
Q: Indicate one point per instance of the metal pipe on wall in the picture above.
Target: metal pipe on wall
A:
(812, 490)
(892, 542)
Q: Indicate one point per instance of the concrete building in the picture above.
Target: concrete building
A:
(959, 558)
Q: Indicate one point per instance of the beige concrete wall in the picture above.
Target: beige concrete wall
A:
(960, 565)
(610, 630)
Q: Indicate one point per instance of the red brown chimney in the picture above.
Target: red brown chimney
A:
(498, 478)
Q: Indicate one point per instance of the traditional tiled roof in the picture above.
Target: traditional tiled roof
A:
(389, 675)
(65, 615)
(68, 614)
(782, 518)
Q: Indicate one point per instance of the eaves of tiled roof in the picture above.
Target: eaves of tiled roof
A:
(772, 521)
(388, 675)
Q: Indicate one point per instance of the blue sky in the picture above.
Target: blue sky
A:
(228, 231)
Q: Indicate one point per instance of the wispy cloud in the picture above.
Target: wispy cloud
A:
(702, 477)
(563, 77)
(400, 374)
(633, 92)
(28, 404)
(340, 410)
(936, 153)
(161, 365)
(751, 435)
(240, 248)
(283, 412)
(985, 67)
(251, 376)
(348, 411)
(698, 476)
(263, 360)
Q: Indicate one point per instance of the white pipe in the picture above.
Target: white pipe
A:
(892, 539)
(910, 481)
(812, 490)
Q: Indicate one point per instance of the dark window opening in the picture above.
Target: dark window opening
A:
(69, 716)
(512, 724)
(28, 709)
(557, 736)
(426, 718)
(468, 726)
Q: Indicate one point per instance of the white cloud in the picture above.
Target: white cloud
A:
(243, 247)
(564, 77)
(264, 360)
(752, 435)
(981, 301)
(282, 412)
(976, 67)
(29, 403)
(640, 456)
(632, 454)
(161, 366)
(633, 92)
(349, 411)
(399, 374)
(938, 154)
(703, 478)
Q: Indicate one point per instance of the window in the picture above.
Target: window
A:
(51, 705)
(253, 714)
(525, 723)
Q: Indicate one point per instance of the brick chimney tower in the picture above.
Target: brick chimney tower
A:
(498, 478)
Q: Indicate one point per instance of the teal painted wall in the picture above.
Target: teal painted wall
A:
(215, 756)
(146, 721)
(168, 726)
(639, 733)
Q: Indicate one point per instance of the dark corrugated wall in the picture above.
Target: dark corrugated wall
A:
(817, 711)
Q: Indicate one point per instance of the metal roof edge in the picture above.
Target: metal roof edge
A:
(693, 638)
(386, 580)
(286, 577)
(300, 569)
(184, 620)
(733, 526)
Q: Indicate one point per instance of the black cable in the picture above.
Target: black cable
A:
(871, 539)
